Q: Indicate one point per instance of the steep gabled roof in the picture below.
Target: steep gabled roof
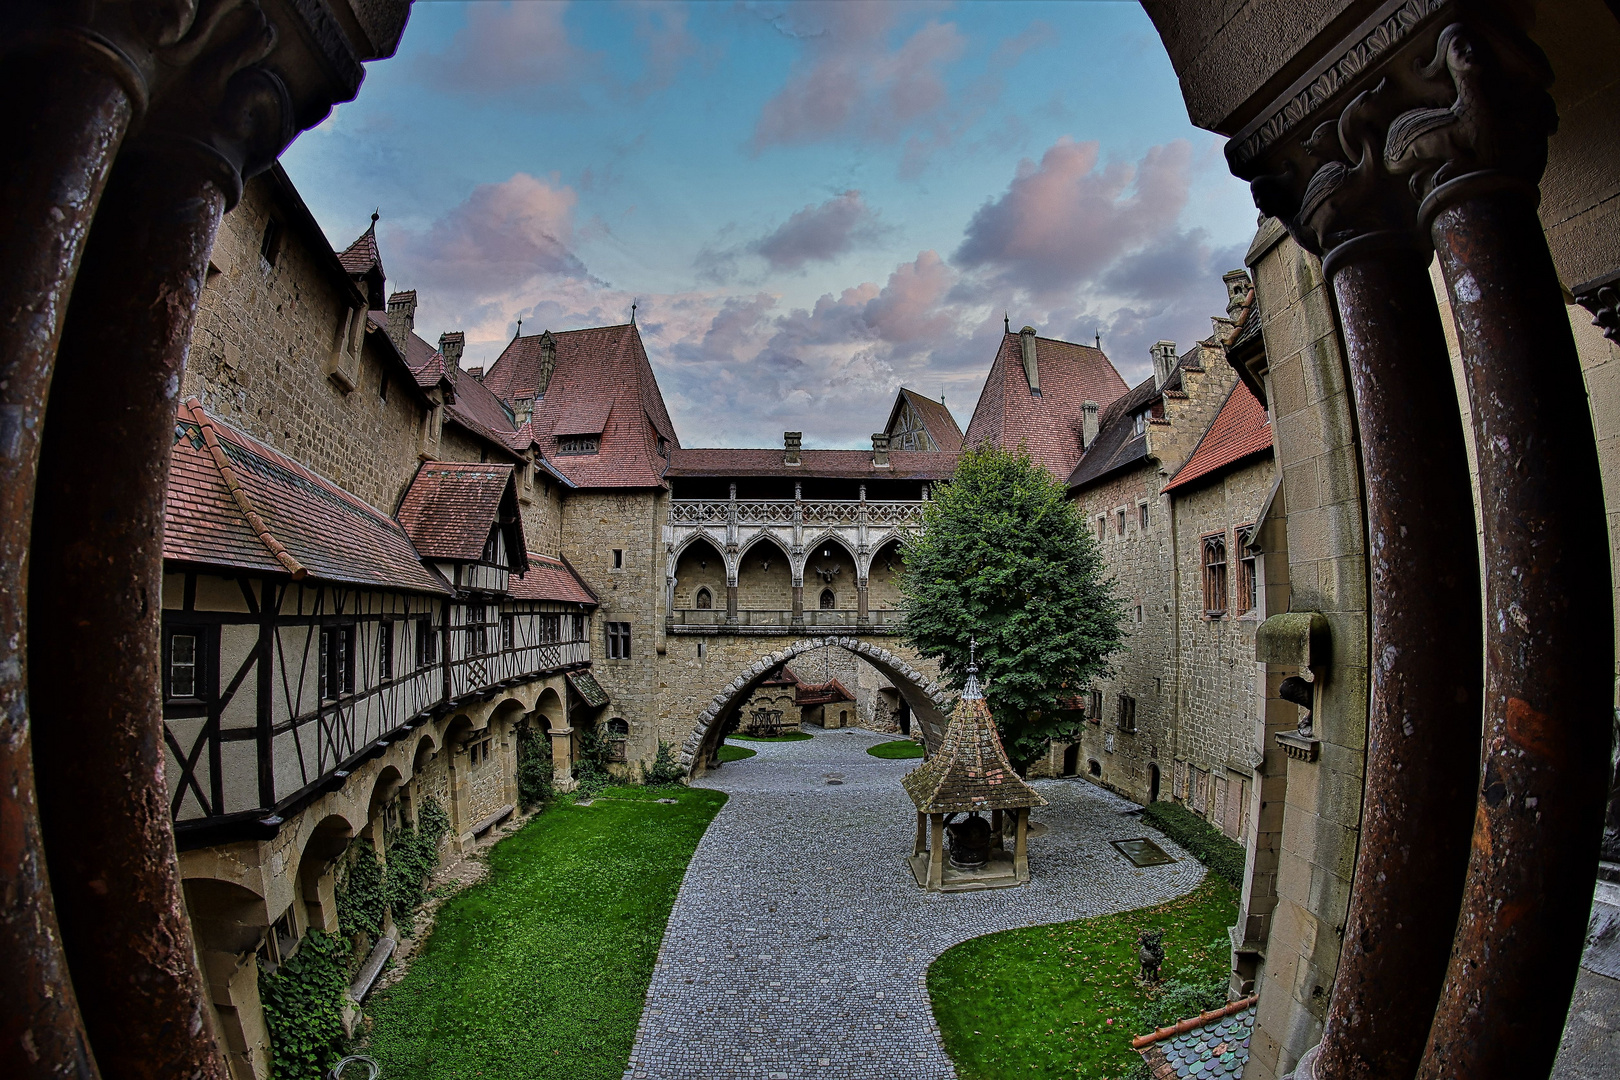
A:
(550, 579)
(362, 256)
(234, 502)
(812, 694)
(1240, 429)
(970, 770)
(903, 464)
(602, 372)
(936, 419)
(451, 507)
(471, 404)
(1118, 444)
(1009, 414)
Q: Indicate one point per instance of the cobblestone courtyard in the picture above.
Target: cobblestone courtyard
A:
(799, 942)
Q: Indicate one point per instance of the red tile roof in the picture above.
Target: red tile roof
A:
(600, 370)
(550, 579)
(936, 419)
(253, 508)
(1241, 428)
(360, 256)
(903, 464)
(826, 693)
(474, 406)
(451, 506)
(1009, 415)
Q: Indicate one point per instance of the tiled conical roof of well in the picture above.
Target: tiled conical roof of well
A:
(970, 770)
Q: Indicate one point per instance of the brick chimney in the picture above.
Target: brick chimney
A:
(1164, 362)
(451, 345)
(1032, 371)
(477, 372)
(1237, 291)
(401, 318)
(1088, 424)
(548, 363)
(791, 442)
(880, 449)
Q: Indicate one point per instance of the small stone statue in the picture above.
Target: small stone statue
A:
(1150, 951)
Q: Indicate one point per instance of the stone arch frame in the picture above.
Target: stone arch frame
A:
(827, 536)
(763, 536)
(314, 880)
(930, 703)
(389, 783)
(678, 551)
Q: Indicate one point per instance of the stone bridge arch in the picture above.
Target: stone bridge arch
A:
(930, 703)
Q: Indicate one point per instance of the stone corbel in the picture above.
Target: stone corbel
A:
(1601, 297)
(1302, 640)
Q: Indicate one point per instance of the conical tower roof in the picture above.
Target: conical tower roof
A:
(970, 770)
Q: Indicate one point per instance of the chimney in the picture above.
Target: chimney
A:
(548, 364)
(1237, 291)
(477, 372)
(401, 318)
(1088, 424)
(1032, 371)
(792, 441)
(451, 345)
(880, 449)
(1164, 362)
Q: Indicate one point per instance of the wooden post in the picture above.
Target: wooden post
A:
(936, 851)
(995, 830)
(922, 835)
(1021, 845)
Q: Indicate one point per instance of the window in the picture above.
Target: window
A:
(1138, 612)
(1139, 423)
(477, 631)
(618, 736)
(427, 643)
(1127, 713)
(1094, 707)
(336, 662)
(1247, 585)
(579, 444)
(580, 620)
(618, 558)
(705, 599)
(618, 640)
(550, 628)
(1102, 525)
(828, 600)
(1119, 521)
(480, 744)
(1215, 575)
(385, 651)
(1142, 516)
(185, 664)
(506, 632)
(270, 246)
(702, 651)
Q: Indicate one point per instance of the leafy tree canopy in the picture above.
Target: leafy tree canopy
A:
(1005, 557)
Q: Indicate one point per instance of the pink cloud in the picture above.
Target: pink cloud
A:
(851, 82)
(1066, 220)
(509, 48)
(819, 233)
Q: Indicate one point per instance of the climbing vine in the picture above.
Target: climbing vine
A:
(591, 766)
(411, 860)
(533, 767)
(666, 768)
(303, 1007)
(362, 899)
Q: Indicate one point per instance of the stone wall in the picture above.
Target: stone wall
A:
(262, 338)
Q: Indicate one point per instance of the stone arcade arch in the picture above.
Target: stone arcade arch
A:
(930, 703)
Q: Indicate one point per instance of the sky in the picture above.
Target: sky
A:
(810, 204)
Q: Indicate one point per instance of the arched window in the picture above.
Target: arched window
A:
(828, 601)
(705, 599)
(1215, 575)
(618, 734)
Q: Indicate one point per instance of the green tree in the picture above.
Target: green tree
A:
(1004, 557)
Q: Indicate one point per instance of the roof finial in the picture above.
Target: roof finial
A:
(519, 330)
(1099, 340)
(633, 304)
(1006, 323)
(970, 689)
(375, 214)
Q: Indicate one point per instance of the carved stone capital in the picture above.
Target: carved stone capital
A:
(1602, 298)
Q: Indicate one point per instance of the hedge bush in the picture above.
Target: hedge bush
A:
(666, 767)
(303, 1007)
(1202, 840)
(533, 767)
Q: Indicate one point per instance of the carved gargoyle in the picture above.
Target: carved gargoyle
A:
(828, 573)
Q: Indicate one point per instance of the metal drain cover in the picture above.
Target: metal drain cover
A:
(1142, 852)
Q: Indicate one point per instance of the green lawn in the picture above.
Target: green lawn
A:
(735, 753)
(792, 736)
(541, 970)
(1062, 1000)
(899, 748)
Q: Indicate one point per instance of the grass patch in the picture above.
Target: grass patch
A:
(792, 736)
(1204, 841)
(540, 971)
(734, 753)
(1038, 1002)
(899, 748)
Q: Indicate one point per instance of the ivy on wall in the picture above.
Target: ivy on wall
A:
(595, 751)
(412, 858)
(533, 767)
(303, 1007)
(362, 900)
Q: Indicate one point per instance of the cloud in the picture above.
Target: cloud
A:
(509, 49)
(1065, 221)
(667, 46)
(819, 233)
(849, 82)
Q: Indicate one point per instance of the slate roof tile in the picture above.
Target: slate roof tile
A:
(936, 419)
(550, 579)
(451, 506)
(1241, 428)
(970, 770)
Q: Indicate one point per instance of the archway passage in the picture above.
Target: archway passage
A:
(928, 704)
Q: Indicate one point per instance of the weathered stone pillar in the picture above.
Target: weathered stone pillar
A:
(731, 601)
(562, 758)
(861, 615)
(798, 603)
(1539, 815)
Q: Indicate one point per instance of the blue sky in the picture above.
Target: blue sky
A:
(813, 203)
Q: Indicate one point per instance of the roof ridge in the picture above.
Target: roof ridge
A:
(277, 549)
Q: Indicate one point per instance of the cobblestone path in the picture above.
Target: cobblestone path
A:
(799, 941)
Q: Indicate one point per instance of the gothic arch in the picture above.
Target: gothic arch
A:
(764, 535)
(930, 703)
(718, 543)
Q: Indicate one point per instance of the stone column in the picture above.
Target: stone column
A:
(562, 758)
(861, 615)
(1547, 710)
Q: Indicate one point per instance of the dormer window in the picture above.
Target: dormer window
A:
(1139, 422)
(579, 444)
